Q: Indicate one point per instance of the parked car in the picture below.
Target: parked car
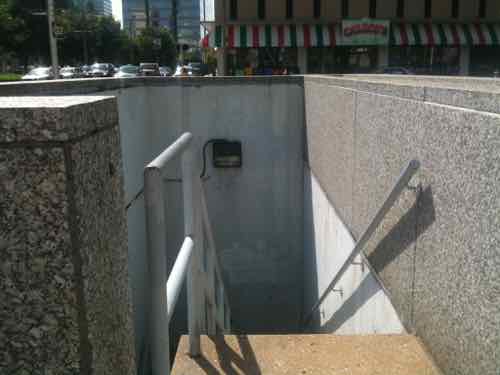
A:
(183, 71)
(38, 74)
(165, 71)
(127, 71)
(69, 72)
(86, 69)
(149, 69)
(102, 70)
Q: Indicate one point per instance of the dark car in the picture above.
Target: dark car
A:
(102, 70)
(149, 69)
(394, 70)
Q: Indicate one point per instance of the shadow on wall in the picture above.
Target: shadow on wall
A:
(410, 226)
(231, 362)
(406, 231)
(366, 290)
(399, 239)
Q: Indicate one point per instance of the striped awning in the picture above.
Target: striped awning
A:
(290, 35)
(305, 35)
(405, 34)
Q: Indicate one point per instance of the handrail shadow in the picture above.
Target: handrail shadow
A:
(231, 363)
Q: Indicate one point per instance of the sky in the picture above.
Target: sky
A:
(117, 9)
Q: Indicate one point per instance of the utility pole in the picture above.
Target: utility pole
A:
(52, 38)
(146, 5)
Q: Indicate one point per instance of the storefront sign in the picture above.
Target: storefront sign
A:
(365, 32)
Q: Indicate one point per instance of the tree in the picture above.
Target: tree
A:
(157, 45)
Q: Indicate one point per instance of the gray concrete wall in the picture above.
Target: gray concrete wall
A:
(65, 305)
(256, 211)
(437, 252)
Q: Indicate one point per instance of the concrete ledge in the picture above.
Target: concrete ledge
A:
(90, 86)
(53, 118)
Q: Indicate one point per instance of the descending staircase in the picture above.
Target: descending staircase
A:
(306, 354)
(209, 310)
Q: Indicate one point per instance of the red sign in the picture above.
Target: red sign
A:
(365, 28)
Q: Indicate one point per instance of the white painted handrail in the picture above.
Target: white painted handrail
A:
(202, 288)
(178, 275)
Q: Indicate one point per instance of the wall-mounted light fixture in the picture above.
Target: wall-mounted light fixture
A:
(226, 154)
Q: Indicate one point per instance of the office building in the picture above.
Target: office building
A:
(182, 17)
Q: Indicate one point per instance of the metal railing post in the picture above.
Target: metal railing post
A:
(157, 246)
(189, 195)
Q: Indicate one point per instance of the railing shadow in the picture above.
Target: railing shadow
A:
(407, 230)
(366, 290)
(231, 363)
(404, 233)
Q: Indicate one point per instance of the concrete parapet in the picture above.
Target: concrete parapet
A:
(437, 251)
(65, 305)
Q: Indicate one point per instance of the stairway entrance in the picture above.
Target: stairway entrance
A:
(306, 355)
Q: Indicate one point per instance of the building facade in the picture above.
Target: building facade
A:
(356, 36)
(103, 7)
(182, 17)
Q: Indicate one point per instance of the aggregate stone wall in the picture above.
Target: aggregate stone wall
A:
(438, 250)
(65, 305)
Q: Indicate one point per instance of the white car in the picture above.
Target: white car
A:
(127, 71)
(38, 74)
(183, 71)
(70, 72)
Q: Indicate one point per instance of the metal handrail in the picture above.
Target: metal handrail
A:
(399, 186)
(178, 275)
(157, 244)
(165, 293)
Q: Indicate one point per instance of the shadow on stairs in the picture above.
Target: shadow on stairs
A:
(306, 354)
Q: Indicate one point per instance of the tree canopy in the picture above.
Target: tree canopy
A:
(83, 37)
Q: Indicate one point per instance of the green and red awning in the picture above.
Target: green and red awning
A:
(428, 34)
(257, 36)
(305, 35)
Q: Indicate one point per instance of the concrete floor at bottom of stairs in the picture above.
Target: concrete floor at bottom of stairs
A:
(306, 355)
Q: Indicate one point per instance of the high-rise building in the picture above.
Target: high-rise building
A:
(182, 17)
(103, 7)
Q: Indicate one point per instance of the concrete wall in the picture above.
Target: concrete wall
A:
(437, 251)
(362, 306)
(256, 211)
(65, 305)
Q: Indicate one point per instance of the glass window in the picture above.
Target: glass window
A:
(482, 9)
(455, 8)
(400, 11)
(261, 9)
(428, 9)
(317, 8)
(289, 9)
(426, 60)
(373, 8)
(262, 61)
(345, 8)
(233, 9)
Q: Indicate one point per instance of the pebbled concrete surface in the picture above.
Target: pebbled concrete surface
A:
(306, 355)
(437, 251)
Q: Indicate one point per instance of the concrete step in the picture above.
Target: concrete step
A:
(306, 355)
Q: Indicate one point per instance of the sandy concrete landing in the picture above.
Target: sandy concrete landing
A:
(306, 354)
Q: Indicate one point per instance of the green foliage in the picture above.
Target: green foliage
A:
(156, 45)
(86, 37)
(6, 77)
